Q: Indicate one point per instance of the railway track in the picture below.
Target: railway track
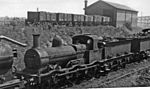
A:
(125, 75)
(115, 76)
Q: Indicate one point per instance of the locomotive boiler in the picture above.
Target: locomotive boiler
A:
(42, 62)
(38, 57)
(88, 56)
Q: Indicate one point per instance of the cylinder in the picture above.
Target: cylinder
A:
(36, 40)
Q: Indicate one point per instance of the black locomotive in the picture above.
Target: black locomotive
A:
(88, 56)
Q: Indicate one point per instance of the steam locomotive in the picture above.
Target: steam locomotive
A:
(67, 19)
(88, 56)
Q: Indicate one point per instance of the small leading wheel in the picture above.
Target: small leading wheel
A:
(49, 82)
(77, 77)
(45, 85)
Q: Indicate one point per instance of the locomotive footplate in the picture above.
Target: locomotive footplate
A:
(71, 72)
(12, 84)
(119, 57)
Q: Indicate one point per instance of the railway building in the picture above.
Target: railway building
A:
(119, 14)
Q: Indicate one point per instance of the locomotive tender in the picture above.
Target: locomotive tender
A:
(88, 56)
(66, 19)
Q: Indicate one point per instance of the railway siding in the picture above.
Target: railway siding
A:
(131, 76)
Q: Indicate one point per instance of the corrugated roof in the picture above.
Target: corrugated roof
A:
(115, 5)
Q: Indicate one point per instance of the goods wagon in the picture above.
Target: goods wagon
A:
(51, 17)
(105, 20)
(64, 19)
(77, 19)
(144, 44)
(140, 44)
(37, 16)
(88, 20)
(97, 20)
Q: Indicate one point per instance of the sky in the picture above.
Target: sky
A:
(19, 8)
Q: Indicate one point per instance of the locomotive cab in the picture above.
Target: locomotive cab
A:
(89, 40)
(93, 52)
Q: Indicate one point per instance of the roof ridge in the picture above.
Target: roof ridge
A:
(115, 5)
(120, 6)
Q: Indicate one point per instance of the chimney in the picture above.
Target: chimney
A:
(36, 40)
(86, 2)
(37, 9)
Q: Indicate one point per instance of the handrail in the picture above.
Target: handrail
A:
(13, 41)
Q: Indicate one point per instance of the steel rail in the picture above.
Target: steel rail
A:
(125, 75)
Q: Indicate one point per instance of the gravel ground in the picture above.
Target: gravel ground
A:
(130, 81)
(136, 80)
